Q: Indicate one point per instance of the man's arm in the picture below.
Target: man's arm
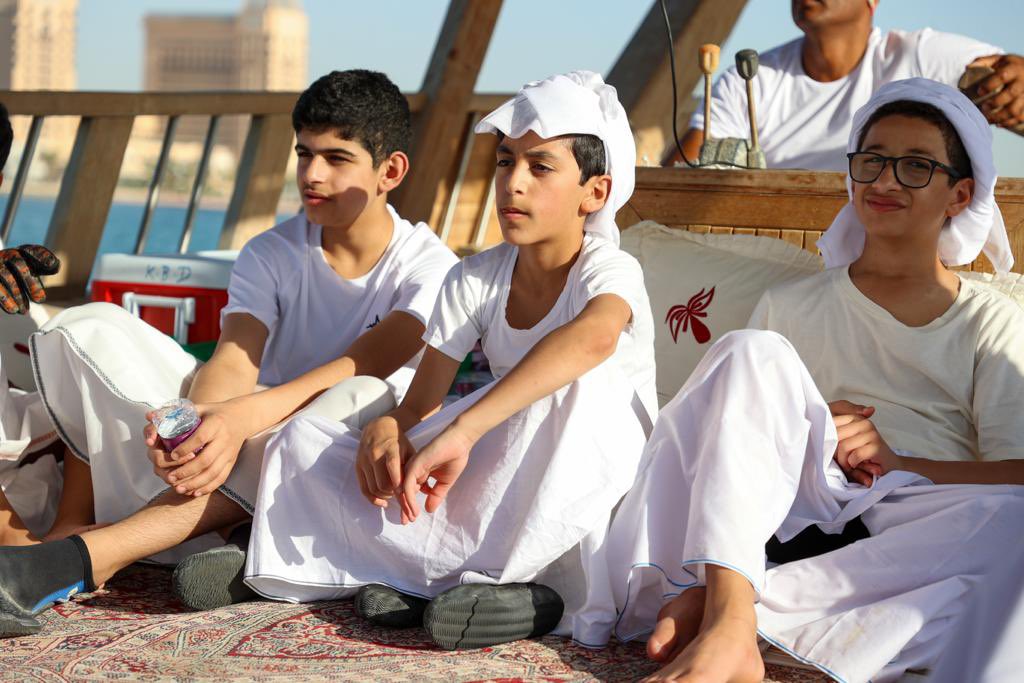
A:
(377, 353)
(559, 358)
(203, 461)
(383, 446)
(556, 360)
(862, 454)
(234, 368)
(940, 472)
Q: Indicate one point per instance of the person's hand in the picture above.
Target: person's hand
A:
(383, 449)
(20, 270)
(201, 464)
(862, 453)
(163, 464)
(1006, 107)
(443, 460)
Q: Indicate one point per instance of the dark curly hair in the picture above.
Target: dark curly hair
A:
(955, 149)
(359, 105)
(6, 136)
(587, 150)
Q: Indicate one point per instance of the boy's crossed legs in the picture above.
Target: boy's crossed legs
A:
(744, 452)
(34, 577)
(100, 422)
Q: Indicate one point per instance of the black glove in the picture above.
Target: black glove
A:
(20, 270)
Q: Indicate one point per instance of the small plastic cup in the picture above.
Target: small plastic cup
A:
(175, 422)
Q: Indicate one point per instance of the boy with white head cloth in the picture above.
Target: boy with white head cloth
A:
(798, 434)
(519, 479)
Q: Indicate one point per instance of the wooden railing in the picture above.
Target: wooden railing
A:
(457, 198)
(792, 205)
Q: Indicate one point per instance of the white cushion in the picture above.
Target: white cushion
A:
(1010, 284)
(702, 286)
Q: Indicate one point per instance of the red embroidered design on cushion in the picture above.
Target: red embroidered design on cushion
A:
(683, 317)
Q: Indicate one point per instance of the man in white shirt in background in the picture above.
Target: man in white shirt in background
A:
(806, 91)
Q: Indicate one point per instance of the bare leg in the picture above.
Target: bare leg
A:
(168, 521)
(12, 530)
(75, 510)
(725, 649)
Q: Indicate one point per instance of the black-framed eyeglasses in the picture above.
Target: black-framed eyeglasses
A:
(912, 172)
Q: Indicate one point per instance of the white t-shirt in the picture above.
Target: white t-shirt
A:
(313, 314)
(803, 123)
(950, 390)
(472, 304)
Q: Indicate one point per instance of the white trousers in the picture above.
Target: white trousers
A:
(100, 369)
(744, 451)
(532, 504)
(985, 646)
(31, 482)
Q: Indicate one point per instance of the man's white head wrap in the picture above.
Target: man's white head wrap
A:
(576, 103)
(977, 228)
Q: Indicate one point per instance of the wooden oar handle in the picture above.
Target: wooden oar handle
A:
(746, 63)
(708, 55)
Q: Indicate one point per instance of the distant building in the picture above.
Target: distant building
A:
(264, 47)
(37, 52)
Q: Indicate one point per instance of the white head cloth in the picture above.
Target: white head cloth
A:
(576, 103)
(977, 228)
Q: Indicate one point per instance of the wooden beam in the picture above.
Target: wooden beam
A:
(83, 203)
(471, 201)
(643, 77)
(260, 180)
(451, 77)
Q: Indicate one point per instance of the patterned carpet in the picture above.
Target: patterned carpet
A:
(136, 631)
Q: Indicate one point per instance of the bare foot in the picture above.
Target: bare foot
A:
(724, 652)
(678, 624)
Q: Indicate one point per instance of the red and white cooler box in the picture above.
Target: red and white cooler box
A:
(181, 296)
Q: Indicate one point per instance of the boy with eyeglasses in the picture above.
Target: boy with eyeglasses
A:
(865, 438)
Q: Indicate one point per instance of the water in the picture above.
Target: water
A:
(122, 228)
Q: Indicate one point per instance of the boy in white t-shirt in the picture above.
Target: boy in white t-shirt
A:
(519, 479)
(882, 508)
(325, 316)
(29, 469)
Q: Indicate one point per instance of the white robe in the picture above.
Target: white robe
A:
(744, 451)
(99, 370)
(31, 484)
(533, 504)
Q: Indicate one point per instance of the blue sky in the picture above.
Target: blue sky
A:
(533, 38)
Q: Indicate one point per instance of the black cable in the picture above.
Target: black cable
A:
(675, 96)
